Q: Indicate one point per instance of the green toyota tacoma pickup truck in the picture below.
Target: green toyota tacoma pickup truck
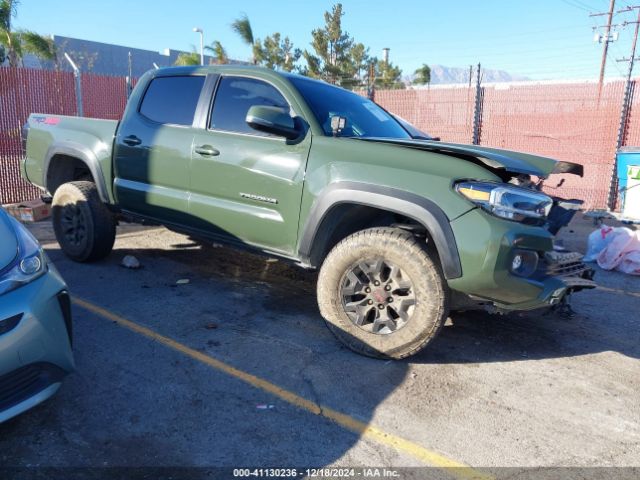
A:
(403, 230)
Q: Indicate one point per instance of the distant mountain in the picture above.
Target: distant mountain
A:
(441, 74)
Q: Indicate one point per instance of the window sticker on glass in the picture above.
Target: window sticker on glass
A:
(376, 110)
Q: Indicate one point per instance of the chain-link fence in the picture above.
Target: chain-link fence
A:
(24, 91)
(565, 121)
(568, 121)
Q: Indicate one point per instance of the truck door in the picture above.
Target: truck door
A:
(247, 185)
(153, 149)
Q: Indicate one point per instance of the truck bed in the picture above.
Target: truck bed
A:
(55, 135)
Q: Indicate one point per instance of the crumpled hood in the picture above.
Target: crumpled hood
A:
(8, 240)
(493, 158)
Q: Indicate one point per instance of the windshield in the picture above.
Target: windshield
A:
(363, 117)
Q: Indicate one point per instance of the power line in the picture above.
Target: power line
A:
(575, 5)
(509, 36)
(607, 38)
(580, 2)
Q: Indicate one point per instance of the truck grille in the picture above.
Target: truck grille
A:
(25, 382)
(565, 264)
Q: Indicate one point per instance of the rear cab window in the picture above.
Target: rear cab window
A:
(234, 96)
(172, 100)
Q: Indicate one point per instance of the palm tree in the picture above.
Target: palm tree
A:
(242, 26)
(218, 51)
(423, 75)
(16, 43)
(185, 59)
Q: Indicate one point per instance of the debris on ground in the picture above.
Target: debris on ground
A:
(599, 215)
(30, 211)
(129, 261)
(182, 281)
(615, 248)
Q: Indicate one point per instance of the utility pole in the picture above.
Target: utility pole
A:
(477, 112)
(371, 91)
(78, 79)
(624, 112)
(201, 32)
(129, 76)
(607, 39)
(627, 87)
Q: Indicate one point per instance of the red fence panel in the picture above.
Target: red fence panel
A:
(103, 96)
(565, 122)
(562, 121)
(440, 112)
(22, 92)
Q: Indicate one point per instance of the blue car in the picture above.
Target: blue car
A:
(35, 322)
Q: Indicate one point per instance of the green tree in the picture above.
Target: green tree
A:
(16, 43)
(422, 75)
(360, 61)
(190, 58)
(218, 51)
(275, 52)
(331, 58)
(388, 76)
(242, 26)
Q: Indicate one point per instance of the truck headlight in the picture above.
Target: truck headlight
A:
(507, 201)
(29, 264)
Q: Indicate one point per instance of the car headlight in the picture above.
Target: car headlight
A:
(507, 201)
(29, 264)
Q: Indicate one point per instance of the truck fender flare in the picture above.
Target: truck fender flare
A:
(416, 207)
(82, 153)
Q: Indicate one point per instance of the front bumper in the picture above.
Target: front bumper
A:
(35, 343)
(486, 245)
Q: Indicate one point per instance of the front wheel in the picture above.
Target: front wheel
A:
(381, 293)
(84, 226)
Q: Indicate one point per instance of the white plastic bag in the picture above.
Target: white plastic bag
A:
(623, 247)
(631, 263)
(598, 240)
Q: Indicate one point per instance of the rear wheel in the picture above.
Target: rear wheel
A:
(83, 225)
(381, 293)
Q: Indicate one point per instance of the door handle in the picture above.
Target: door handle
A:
(206, 151)
(132, 140)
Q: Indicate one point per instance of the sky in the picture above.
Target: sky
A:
(542, 39)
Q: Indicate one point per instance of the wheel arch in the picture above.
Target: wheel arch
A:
(326, 214)
(61, 161)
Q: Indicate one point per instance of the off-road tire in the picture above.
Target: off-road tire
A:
(406, 251)
(95, 225)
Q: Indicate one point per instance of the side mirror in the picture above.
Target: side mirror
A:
(274, 120)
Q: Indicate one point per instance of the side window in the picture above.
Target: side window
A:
(234, 97)
(172, 99)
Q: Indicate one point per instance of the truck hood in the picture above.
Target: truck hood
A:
(8, 241)
(493, 158)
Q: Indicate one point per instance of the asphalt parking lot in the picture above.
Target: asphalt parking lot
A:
(236, 368)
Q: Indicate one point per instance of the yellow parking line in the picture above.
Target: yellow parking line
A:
(425, 455)
(618, 290)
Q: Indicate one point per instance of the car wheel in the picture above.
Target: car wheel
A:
(381, 293)
(83, 225)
